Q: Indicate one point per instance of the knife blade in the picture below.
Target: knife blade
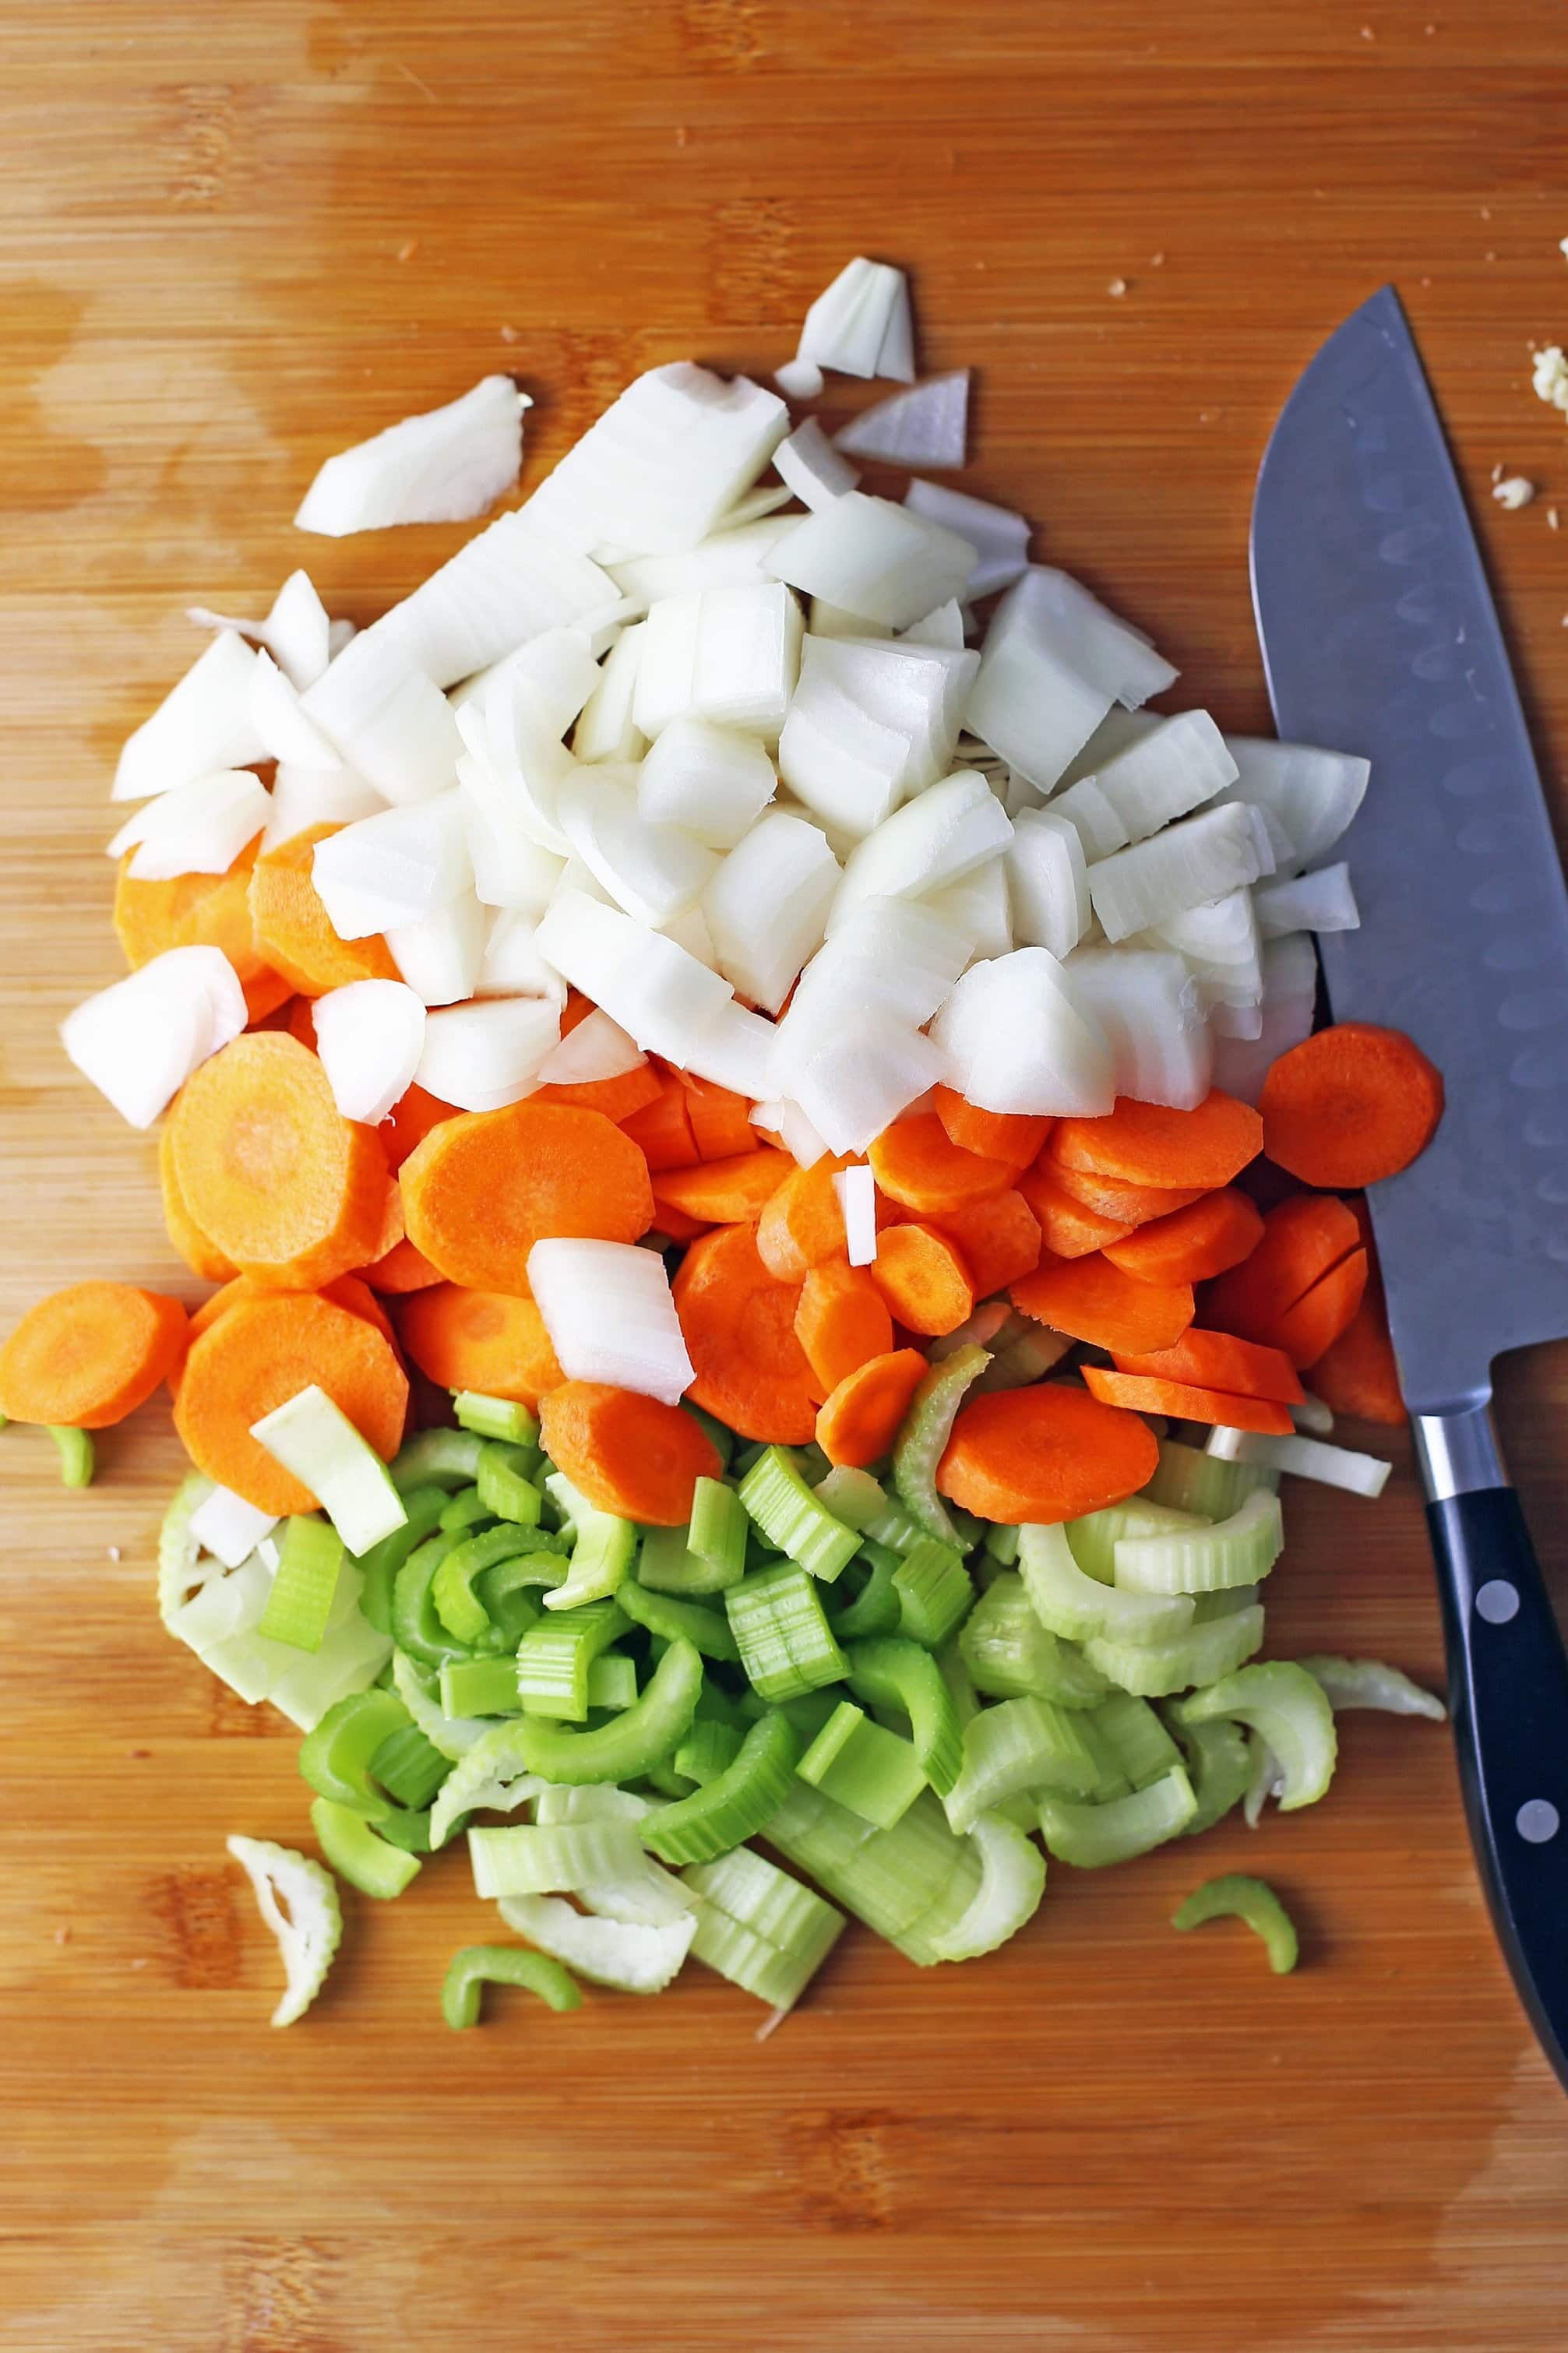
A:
(1380, 636)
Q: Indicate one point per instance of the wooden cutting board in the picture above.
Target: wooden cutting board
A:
(235, 240)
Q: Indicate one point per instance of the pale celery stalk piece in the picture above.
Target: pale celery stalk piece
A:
(313, 1438)
(1286, 1706)
(1304, 1458)
(531, 1861)
(1091, 1836)
(1237, 1896)
(1157, 1671)
(1372, 1684)
(1012, 1881)
(308, 1933)
(631, 1957)
(490, 1776)
(454, 1735)
(1073, 1606)
(1234, 1552)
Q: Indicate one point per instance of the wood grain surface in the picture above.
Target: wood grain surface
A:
(233, 240)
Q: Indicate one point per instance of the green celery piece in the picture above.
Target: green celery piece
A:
(1012, 1881)
(631, 1955)
(600, 1560)
(708, 1749)
(890, 1879)
(1228, 1553)
(463, 1512)
(1228, 1601)
(642, 1735)
(504, 1486)
(493, 1416)
(1018, 1744)
(409, 1830)
(556, 1858)
(956, 1676)
(923, 1437)
(743, 1458)
(315, 1440)
(437, 1458)
(923, 1940)
(785, 1643)
(308, 1932)
(668, 1782)
(934, 1593)
(416, 1686)
(1009, 1654)
(1110, 1781)
(756, 1894)
(721, 1440)
(1157, 1671)
(777, 1498)
(1188, 1480)
(1369, 1682)
(491, 1777)
(888, 1671)
(861, 1765)
(668, 1615)
(357, 1854)
(410, 1768)
(1073, 1606)
(1237, 1895)
(416, 1629)
(458, 1606)
(718, 1535)
(1288, 1707)
(853, 1496)
(808, 1712)
(611, 1682)
(719, 1704)
(1139, 1743)
(894, 1530)
(555, 1657)
(1001, 1546)
(380, 1565)
(1114, 1831)
(1094, 1538)
(75, 1448)
(875, 1609)
(511, 1608)
(748, 1960)
(480, 1687)
(666, 1564)
(310, 1562)
(336, 1757)
(481, 1965)
(725, 1810)
(1219, 1765)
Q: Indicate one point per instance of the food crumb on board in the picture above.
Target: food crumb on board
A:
(114, 1552)
(1486, 211)
(408, 249)
(1551, 519)
(62, 1936)
(1367, 33)
(509, 334)
(1513, 492)
(138, 1752)
(1116, 287)
(1498, 470)
(1157, 261)
(1550, 376)
(140, 1963)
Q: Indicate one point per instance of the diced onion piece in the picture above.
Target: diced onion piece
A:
(860, 324)
(1147, 1004)
(924, 427)
(515, 772)
(542, 685)
(1202, 858)
(809, 464)
(1047, 881)
(202, 724)
(801, 379)
(829, 620)
(1221, 946)
(1314, 795)
(873, 1070)
(1092, 817)
(386, 718)
(512, 869)
(767, 906)
(731, 558)
(1304, 1458)
(1234, 1021)
(606, 729)
(738, 1050)
(892, 957)
(392, 870)
(1054, 661)
(308, 1932)
(138, 1040)
(313, 1437)
(856, 1190)
(439, 957)
(296, 632)
(1289, 967)
(225, 1524)
(871, 724)
(306, 796)
(339, 632)
(663, 463)
(690, 931)
(978, 905)
(369, 1037)
(950, 828)
(512, 965)
(731, 655)
(657, 991)
(715, 782)
(654, 871)
(485, 1055)
(1166, 774)
(611, 1317)
(196, 828)
(1015, 1038)
(1116, 731)
(513, 581)
(884, 560)
(280, 723)
(1322, 902)
(444, 466)
(1312, 1418)
(944, 627)
(596, 1048)
(1000, 537)
(787, 1121)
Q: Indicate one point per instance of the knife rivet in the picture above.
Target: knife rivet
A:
(1497, 1601)
(1538, 1819)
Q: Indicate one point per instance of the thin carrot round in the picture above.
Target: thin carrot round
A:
(750, 1370)
(293, 932)
(917, 1163)
(922, 1279)
(410, 1120)
(486, 1340)
(400, 1270)
(722, 1192)
(1308, 1329)
(1217, 1360)
(1184, 1402)
(1068, 1228)
(349, 1291)
(1302, 1239)
(258, 1354)
(861, 1416)
(841, 1321)
(802, 1224)
(204, 1317)
(1194, 1244)
(1091, 1300)
(1148, 1144)
(302, 1021)
(662, 1129)
(676, 1226)
(1130, 1204)
(88, 1355)
(201, 1255)
(627, 1453)
(198, 910)
(994, 1134)
(1044, 1454)
(483, 1187)
(270, 1169)
(1351, 1105)
(998, 1240)
(721, 1120)
(1358, 1374)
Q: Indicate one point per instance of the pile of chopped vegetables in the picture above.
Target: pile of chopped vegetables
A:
(772, 1190)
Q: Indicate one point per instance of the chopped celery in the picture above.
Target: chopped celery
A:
(601, 1558)
(75, 1448)
(853, 1496)
(611, 1682)
(308, 1932)
(313, 1437)
(1155, 1671)
(493, 1416)
(336, 1757)
(482, 1965)
(1075, 1606)
(554, 1655)
(1091, 1836)
(379, 1566)
(1265, 1778)
(492, 1777)
(1237, 1896)
(759, 1928)
(1012, 1881)
(310, 1561)
(1188, 1480)
(464, 1510)
(634, 1956)
(668, 1615)
(1140, 1747)
(785, 1643)
(643, 1734)
(1225, 1601)
(410, 1768)
(733, 1804)
(666, 1563)
(1094, 1538)
(861, 1765)
(437, 1458)
(179, 1548)
(890, 1879)
(1218, 1767)
(889, 1672)
(1288, 1708)
(1369, 1682)
(720, 1437)
(532, 1859)
(408, 1830)
(875, 1609)
(934, 1592)
(1009, 1654)
(505, 1486)
(708, 1749)
(1017, 1745)
(358, 1855)
(458, 1608)
(923, 1437)
(955, 1676)
(894, 1530)
(1002, 1545)
(808, 1712)
(416, 1627)
(1237, 1551)
(508, 1593)
(1305, 1458)
(415, 1685)
(718, 1535)
(779, 1501)
(480, 1687)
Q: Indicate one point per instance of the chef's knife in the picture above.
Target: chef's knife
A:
(1380, 636)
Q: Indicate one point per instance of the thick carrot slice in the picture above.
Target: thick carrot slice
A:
(410, 1120)
(998, 1240)
(860, 1418)
(1091, 1300)
(1309, 1329)
(199, 911)
(663, 1130)
(486, 1340)
(802, 1224)
(675, 1225)
(349, 1291)
(619, 1098)
(292, 931)
(917, 1163)
(1358, 1374)
(302, 1021)
(1216, 1360)
(1194, 1244)
(841, 1321)
(722, 1192)
(402, 1269)
(390, 1232)
(1185, 1403)
(923, 1277)
(1146, 1144)
(721, 1120)
(278, 1181)
(88, 1355)
(1067, 1229)
(750, 1370)
(483, 1187)
(203, 1257)
(1303, 1238)
(258, 1354)
(1351, 1105)
(627, 1453)
(1044, 1454)
(206, 1314)
(1130, 1204)
(994, 1134)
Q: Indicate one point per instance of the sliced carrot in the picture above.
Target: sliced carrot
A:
(1217, 1360)
(1091, 1300)
(88, 1355)
(994, 1134)
(350, 1292)
(1130, 1204)
(199, 911)
(203, 1257)
(750, 1370)
(915, 1162)
(620, 1098)
(292, 930)
(390, 1232)
(206, 1314)
(998, 1240)
(674, 1224)
(1358, 1374)
(1194, 1244)
(1044, 1454)
(410, 1120)
(301, 1021)
(1302, 1239)
(1351, 1105)
(721, 1120)
(780, 1253)
(1309, 1329)
(487, 1340)
(802, 1224)
(278, 1181)
(1185, 1403)
(402, 1269)
(662, 1129)
(841, 1321)
(722, 1192)
(483, 1187)
(260, 1353)
(1148, 1144)
(922, 1277)
(861, 1416)
(627, 1453)
(1067, 1229)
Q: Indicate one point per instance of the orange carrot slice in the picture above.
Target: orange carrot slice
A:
(922, 1279)
(620, 1098)
(1091, 1300)
(487, 1340)
(410, 1120)
(1303, 1238)
(1148, 1144)
(721, 1192)
(1130, 1204)
(750, 1371)
(1067, 1229)
(206, 910)
(292, 931)
(802, 1224)
(349, 1291)
(1351, 1105)
(721, 1120)
(1308, 1329)
(1358, 1373)
(483, 1187)
(917, 1163)
(662, 1130)
(1216, 1360)
(998, 1240)
(1044, 1454)
(627, 1453)
(203, 1257)
(88, 1355)
(1194, 1244)
(841, 1321)
(674, 1224)
(994, 1134)
(1185, 1403)
(400, 1270)
(861, 1418)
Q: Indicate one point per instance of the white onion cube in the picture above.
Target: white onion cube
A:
(934, 839)
(715, 782)
(369, 1037)
(610, 1316)
(767, 906)
(393, 869)
(1054, 660)
(875, 558)
(445, 466)
(139, 1041)
(731, 655)
(1048, 882)
(485, 1055)
(1015, 1038)
(202, 724)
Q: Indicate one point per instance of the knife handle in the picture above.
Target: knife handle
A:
(1508, 1689)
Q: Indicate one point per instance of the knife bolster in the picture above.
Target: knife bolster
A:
(1457, 1453)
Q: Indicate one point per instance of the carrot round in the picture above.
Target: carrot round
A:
(260, 1353)
(269, 1168)
(721, 1120)
(998, 1240)
(675, 1225)
(1309, 1329)
(861, 1416)
(922, 1279)
(1148, 1144)
(841, 1321)
(400, 1270)
(1044, 1454)
(619, 1098)
(802, 1223)
(349, 1291)
(204, 1317)
(1358, 1373)
(88, 1355)
(293, 929)
(1303, 1238)
(917, 1163)
(994, 1134)
(483, 1187)
(302, 1021)
(1091, 1300)
(721, 1192)
(410, 1120)
(1067, 1227)
(1191, 1245)
(202, 1256)
(628, 1454)
(1130, 1204)
(1216, 1360)
(1351, 1105)
(1184, 1402)
(662, 1130)
(486, 1340)
(750, 1370)
(199, 911)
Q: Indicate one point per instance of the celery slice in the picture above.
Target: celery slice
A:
(736, 1802)
(1001, 1546)
(480, 1687)
(955, 1676)
(358, 1854)
(922, 1439)
(454, 1735)
(922, 1940)
(1287, 1706)
(1225, 1601)
(437, 1458)
(1238, 1551)
(1189, 1480)
(890, 1879)
(601, 1558)
(611, 1682)
(1305, 1458)
(534, 1859)
(180, 1565)
(310, 1561)
(785, 1643)
(862, 1764)
(504, 1485)
(1370, 1683)
(632, 1957)
(709, 1750)
(1237, 1896)
(1140, 1747)
(481, 1965)
(1010, 1655)
(1218, 1766)
(1265, 1778)
(1092, 1836)
(314, 1438)
(492, 1776)
(890, 1671)
(853, 1496)
(934, 1592)
(555, 1656)
(410, 1768)
(779, 1503)
(666, 1563)
(764, 1931)
(896, 1530)
(1095, 1537)
(668, 1615)
(748, 1960)
(1018, 1744)
(379, 1567)
(1012, 1881)
(1075, 1606)
(458, 1608)
(336, 1757)
(643, 1734)
(875, 1609)
(462, 1512)
(75, 1448)
(416, 1627)
(1157, 1670)
(493, 1416)
(308, 1933)
(718, 1535)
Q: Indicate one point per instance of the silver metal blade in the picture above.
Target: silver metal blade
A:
(1380, 636)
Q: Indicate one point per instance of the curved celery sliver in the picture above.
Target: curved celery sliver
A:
(1012, 1881)
(1092, 1836)
(889, 1671)
(359, 1854)
(74, 1447)
(1070, 1604)
(1093, 1539)
(1189, 1480)
(1156, 1671)
(1017, 1745)
(1289, 1707)
(308, 1933)
(491, 1775)
(922, 1439)
(1218, 1766)
(633, 1955)
(641, 1735)
(1265, 1778)
(1010, 1655)
(461, 1613)
(778, 1501)
(1237, 1896)
(601, 1558)
(668, 1615)
(725, 1810)
(179, 1551)
(454, 1735)
(437, 1458)
(481, 1965)
(876, 1608)
(1370, 1683)
(379, 1566)
(336, 1757)
(1237, 1551)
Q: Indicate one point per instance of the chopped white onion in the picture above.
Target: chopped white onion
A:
(228, 1527)
(511, 868)
(1116, 731)
(737, 1050)
(393, 869)
(1085, 809)
(202, 724)
(1170, 770)
(729, 655)
(1147, 1006)
(608, 1309)
(1303, 1458)
(787, 1121)
(1000, 537)
(860, 324)
(767, 906)
(139, 1041)
(734, 558)
(296, 632)
(658, 992)
(1320, 901)
(926, 426)
(856, 1190)
(825, 619)
(1013, 1038)
(445, 466)
(979, 907)
(944, 627)
(810, 466)
(1220, 942)
(801, 379)
(663, 463)
(513, 581)
(873, 1068)
(302, 797)
(515, 771)
(1290, 1000)
(765, 500)
(869, 724)
(1048, 881)
(1201, 859)
(606, 729)
(369, 1037)
(197, 828)
(1054, 660)
(279, 721)
(895, 959)
(596, 1048)
(1313, 795)
(654, 871)
(385, 719)
(485, 1055)
(689, 930)
(873, 558)
(934, 839)
(512, 965)
(439, 955)
(542, 685)
(715, 782)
